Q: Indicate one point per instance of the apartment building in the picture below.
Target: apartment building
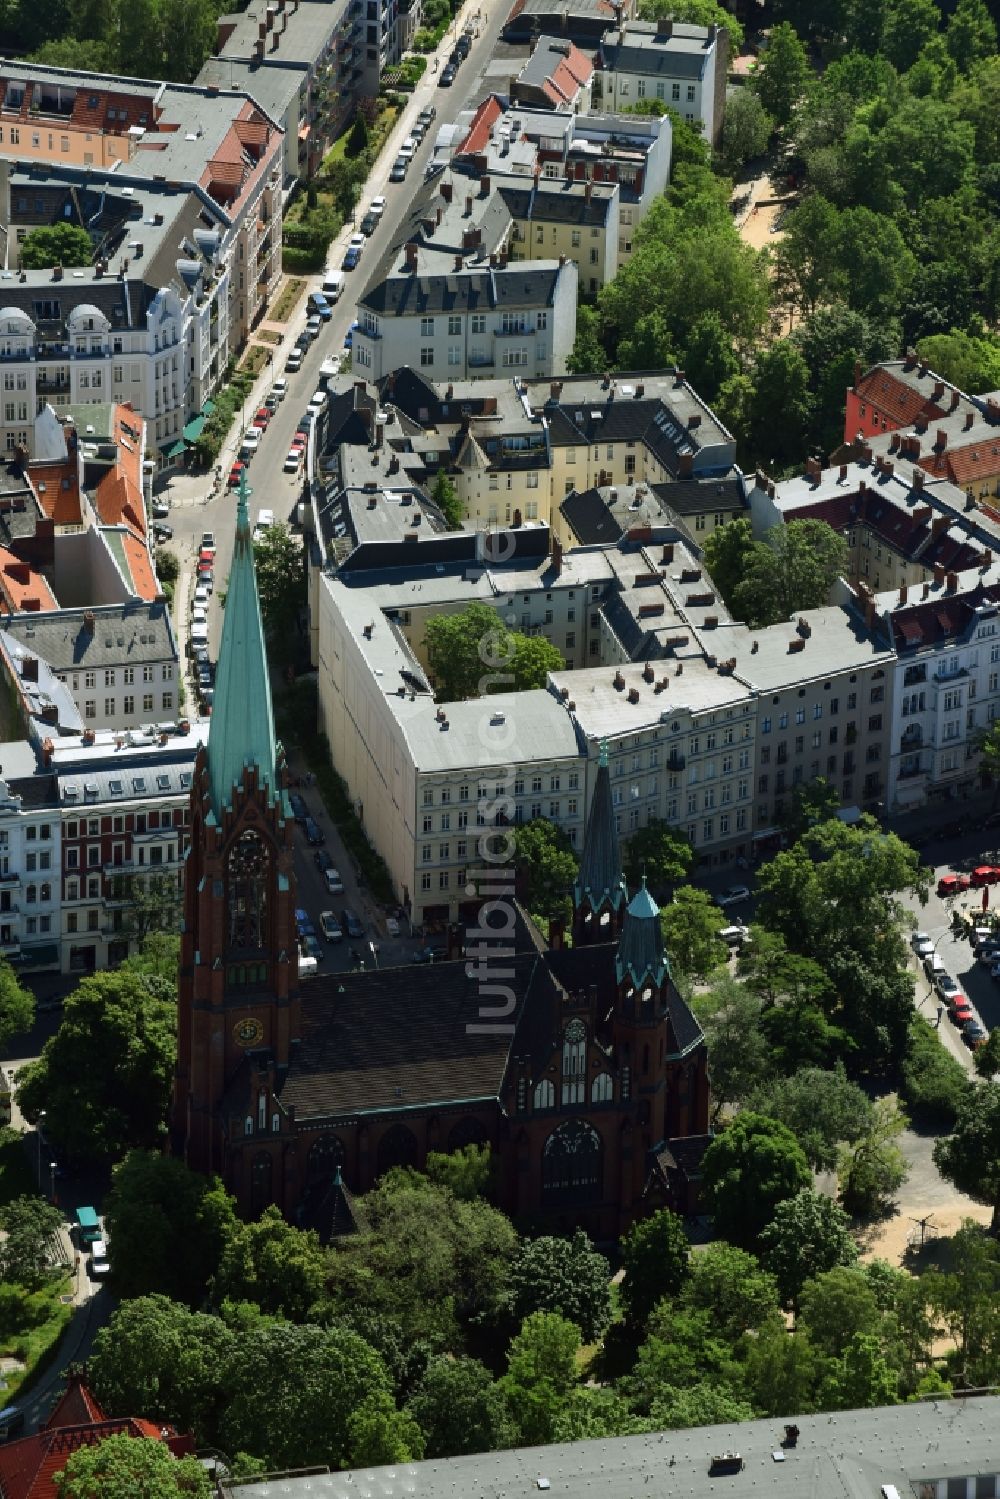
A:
(302, 61)
(584, 22)
(631, 152)
(900, 393)
(557, 75)
(30, 862)
(606, 515)
(680, 65)
(180, 191)
(945, 636)
(574, 221)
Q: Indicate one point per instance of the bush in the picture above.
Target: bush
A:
(933, 1082)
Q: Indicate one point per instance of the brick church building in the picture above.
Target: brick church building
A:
(593, 1093)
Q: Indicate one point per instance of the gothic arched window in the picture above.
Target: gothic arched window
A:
(325, 1155)
(545, 1095)
(574, 1062)
(602, 1089)
(261, 1194)
(397, 1147)
(248, 870)
(573, 1163)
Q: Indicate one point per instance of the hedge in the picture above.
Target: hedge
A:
(933, 1082)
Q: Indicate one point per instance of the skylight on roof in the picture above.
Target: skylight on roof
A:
(116, 787)
(163, 782)
(138, 783)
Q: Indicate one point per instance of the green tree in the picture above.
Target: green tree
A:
(472, 653)
(831, 340)
(792, 570)
(104, 1078)
(120, 1467)
(466, 1173)
(460, 1409)
(697, 13)
(157, 1357)
(591, 1413)
(807, 264)
(425, 1259)
(746, 129)
(781, 406)
(727, 553)
(683, 1349)
(880, 263)
(166, 1227)
(747, 1170)
(779, 1372)
(822, 1108)
(989, 758)
(908, 26)
(281, 584)
(691, 925)
(968, 1300)
(811, 803)
(168, 569)
(189, 32)
(970, 1156)
(660, 853)
(295, 1394)
(966, 360)
(379, 1434)
(55, 244)
(836, 1306)
(546, 859)
(541, 1371)
(739, 1057)
(971, 34)
(17, 1005)
(656, 1261)
(987, 1058)
(588, 356)
(357, 139)
(933, 1081)
(782, 73)
(155, 904)
(862, 1377)
(567, 1276)
(29, 1226)
(709, 360)
(732, 1286)
(279, 1268)
(873, 1168)
(701, 1404)
(444, 494)
(808, 1235)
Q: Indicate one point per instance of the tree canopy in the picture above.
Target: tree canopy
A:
(750, 1168)
(17, 1004)
(281, 583)
(120, 1467)
(662, 854)
(473, 653)
(104, 1078)
(548, 865)
(55, 244)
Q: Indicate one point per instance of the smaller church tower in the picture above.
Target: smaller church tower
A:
(599, 894)
(238, 988)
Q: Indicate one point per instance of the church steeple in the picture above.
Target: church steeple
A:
(641, 956)
(241, 732)
(600, 888)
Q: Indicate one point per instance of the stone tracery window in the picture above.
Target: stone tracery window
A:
(574, 1062)
(573, 1163)
(248, 871)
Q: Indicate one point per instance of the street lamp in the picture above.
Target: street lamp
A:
(38, 1147)
(52, 1180)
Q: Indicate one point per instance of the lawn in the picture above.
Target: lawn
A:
(285, 305)
(30, 1329)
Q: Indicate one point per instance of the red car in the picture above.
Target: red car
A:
(952, 884)
(234, 475)
(986, 874)
(961, 1014)
(263, 417)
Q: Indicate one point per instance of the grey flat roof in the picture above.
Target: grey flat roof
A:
(839, 1455)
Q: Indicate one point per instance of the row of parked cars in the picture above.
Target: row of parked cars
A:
(459, 53)
(950, 992)
(957, 883)
(408, 149)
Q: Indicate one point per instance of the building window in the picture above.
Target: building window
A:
(602, 1089)
(574, 1062)
(544, 1095)
(572, 1164)
(426, 355)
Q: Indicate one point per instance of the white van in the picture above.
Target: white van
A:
(333, 286)
(99, 1257)
(307, 966)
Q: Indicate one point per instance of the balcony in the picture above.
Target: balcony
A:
(939, 674)
(676, 761)
(55, 385)
(520, 332)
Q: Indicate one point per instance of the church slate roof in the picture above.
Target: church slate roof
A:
(398, 1038)
(242, 724)
(576, 968)
(640, 950)
(600, 875)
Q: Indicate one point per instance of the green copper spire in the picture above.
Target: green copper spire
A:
(241, 732)
(640, 948)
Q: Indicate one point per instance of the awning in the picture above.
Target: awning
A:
(44, 956)
(194, 428)
(176, 449)
(208, 407)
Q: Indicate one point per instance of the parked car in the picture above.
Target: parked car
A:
(98, 1264)
(333, 286)
(314, 833)
(408, 147)
(734, 896)
(952, 884)
(322, 859)
(349, 335)
(162, 532)
(918, 938)
(329, 925)
(299, 809)
(351, 923)
(351, 258)
(201, 596)
(924, 948)
(397, 172)
(314, 324)
(280, 389)
(308, 966)
(271, 402)
(293, 459)
(265, 520)
(426, 115)
(312, 947)
(303, 923)
(378, 205)
(334, 883)
(320, 306)
(391, 926)
(160, 509)
(736, 935)
(961, 1014)
(369, 223)
(294, 362)
(974, 1035)
(447, 77)
(946, 986)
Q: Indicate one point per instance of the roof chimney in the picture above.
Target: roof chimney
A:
(89, 622)
(902, 593)
(952, 582)
(411, 257)
(941, 441)
(447, 191)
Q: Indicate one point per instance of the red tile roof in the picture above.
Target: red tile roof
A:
(21, 587)
(900, 402)
(483, 121)
(57, 490)
(28, 1467)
